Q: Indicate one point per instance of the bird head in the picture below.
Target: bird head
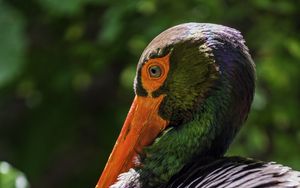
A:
(194, 86)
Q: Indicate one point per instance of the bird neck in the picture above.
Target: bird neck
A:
(208, 134)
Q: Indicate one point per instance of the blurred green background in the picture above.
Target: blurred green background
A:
(67, 68)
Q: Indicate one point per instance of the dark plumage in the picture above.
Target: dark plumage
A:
(192, 109)
(231, 172)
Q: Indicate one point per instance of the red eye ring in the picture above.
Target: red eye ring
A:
(154, 73)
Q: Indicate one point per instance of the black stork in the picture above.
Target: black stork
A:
(194, 86)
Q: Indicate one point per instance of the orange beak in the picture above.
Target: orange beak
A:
(141, 127)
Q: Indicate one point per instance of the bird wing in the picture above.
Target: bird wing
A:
(232, 172)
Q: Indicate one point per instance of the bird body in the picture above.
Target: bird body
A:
(194, 88)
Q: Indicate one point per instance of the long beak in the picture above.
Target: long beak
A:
(141, 127)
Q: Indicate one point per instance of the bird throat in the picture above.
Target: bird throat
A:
(199, 138)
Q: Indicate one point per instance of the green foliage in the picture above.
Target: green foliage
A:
(66, 70)
(11, 178)
(12, 43)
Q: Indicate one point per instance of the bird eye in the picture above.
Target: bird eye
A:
(155, 71)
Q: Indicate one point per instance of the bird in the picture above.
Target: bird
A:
(194, 87)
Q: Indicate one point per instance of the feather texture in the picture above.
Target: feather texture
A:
(231, 172)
